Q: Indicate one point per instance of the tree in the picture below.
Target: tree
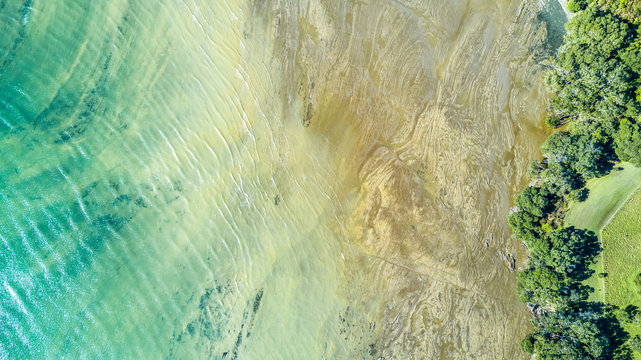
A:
(537, 201)
(572, 159)
(627, 9)
(635, 343)
(561, 179)
(628, 315)
(577, 5)
(524, 225)
(571, 252)
(541, 285)
(628, 142)
(589, 77)
(592, 158)
(536, 167)
(631, 56)
(579, 195)
(527, 344)
(585, 331)
(601, 130)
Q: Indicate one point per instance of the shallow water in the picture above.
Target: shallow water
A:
(265, 179)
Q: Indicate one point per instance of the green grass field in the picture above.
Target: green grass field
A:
(607, 195)
(622, 253)
(622, 258)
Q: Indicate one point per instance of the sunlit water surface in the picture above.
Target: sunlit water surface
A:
(284, 179)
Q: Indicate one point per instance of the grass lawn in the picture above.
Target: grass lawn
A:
(607, 195)
(622, 253)
(622, 257)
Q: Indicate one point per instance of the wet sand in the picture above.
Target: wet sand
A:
(266, 179)
(434, 111)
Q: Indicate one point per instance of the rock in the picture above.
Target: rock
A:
(509, 259)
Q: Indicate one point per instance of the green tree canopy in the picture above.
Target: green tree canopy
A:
(577, 5)
(584, 332)
(627, 9)
(628, 142)
(524, 225)
(537, 201)
(589, 78)
(573, 158)
(635, 343)
(541, 285)
(560, 178)
(571, 252)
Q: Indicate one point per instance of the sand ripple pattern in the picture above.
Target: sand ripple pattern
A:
(435, 110)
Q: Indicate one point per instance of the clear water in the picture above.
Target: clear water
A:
(264, 179)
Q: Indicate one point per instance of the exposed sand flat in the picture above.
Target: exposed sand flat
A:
(434, 109)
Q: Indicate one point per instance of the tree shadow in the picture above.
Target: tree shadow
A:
(573, 251)
(609, 324)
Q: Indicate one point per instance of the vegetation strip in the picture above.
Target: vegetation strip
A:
(595, 77)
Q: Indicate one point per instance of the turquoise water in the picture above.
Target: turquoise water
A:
(148, 209)
(245, 179)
